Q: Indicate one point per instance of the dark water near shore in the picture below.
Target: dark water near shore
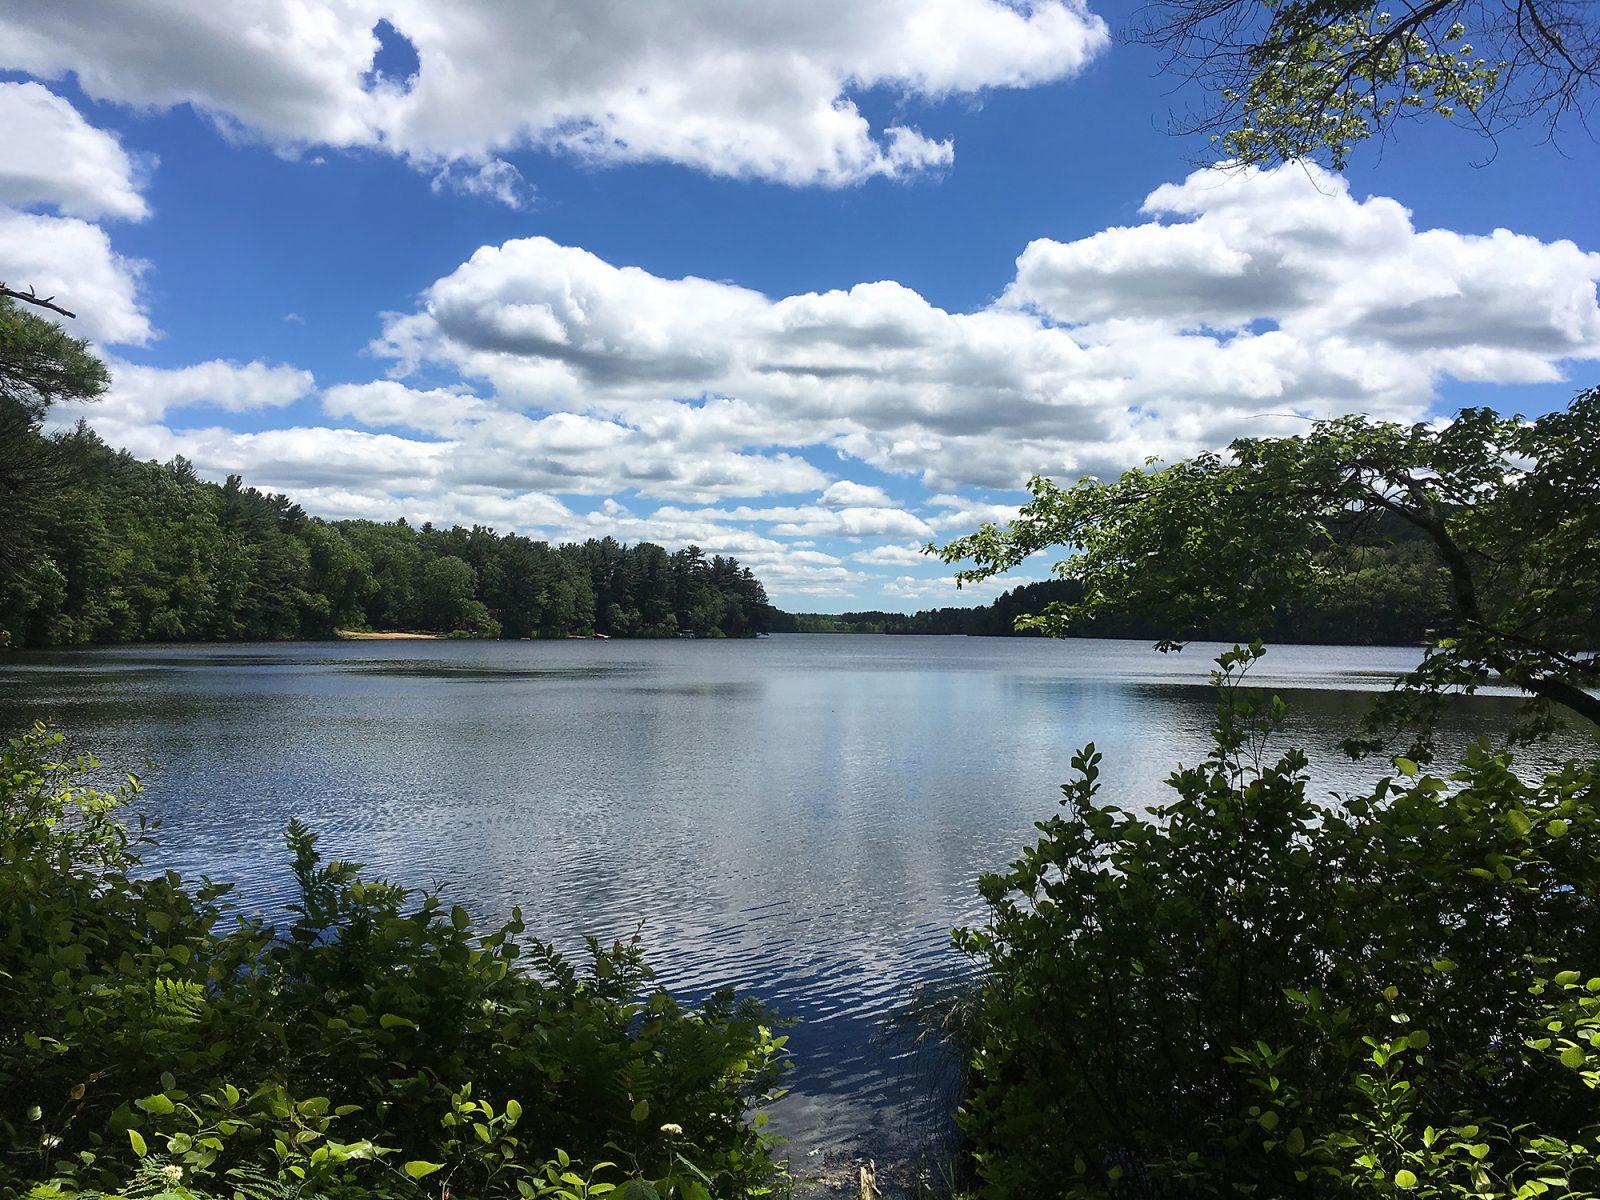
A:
(801, 817)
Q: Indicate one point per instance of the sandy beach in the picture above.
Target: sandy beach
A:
(354, 636)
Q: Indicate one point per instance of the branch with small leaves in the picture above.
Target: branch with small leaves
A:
(1292, 79)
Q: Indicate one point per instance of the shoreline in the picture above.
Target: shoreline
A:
(351, 635)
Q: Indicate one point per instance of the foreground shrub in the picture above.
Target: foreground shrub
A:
(1248, 992)
(152, 1035)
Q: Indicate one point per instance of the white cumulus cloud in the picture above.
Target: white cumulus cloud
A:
(1250, 300)
(758, 89)
(847, 494)
(54, 157)
(1292, 246)
(141, 394)
(73, 261)
(892, 554)
(442, 411)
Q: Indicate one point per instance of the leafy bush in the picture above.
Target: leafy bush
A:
(154, 1037)
(1384, 1145)
(1250, 992)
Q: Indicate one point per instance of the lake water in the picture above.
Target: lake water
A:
(801, 817)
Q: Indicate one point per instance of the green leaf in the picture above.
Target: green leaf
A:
(391, 1020)
(1404, 1179)
(1406, 767)
(419, 1168)
(1573, 1057)
(1517, 821)
(640, 1110)
(136, 1140)
(158, 1105)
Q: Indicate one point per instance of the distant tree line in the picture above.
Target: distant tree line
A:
(1388, 591)
(131, 551)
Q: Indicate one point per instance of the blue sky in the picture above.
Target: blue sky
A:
(810, 285)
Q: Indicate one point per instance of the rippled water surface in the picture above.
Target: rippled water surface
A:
(802, 817)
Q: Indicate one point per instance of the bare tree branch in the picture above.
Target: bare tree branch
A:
(32, 297)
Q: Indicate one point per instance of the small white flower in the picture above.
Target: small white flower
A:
(172, 1173)
(672, 1128)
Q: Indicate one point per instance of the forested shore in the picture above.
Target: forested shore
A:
(131, 551)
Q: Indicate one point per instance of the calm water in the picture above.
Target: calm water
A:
(801, 817)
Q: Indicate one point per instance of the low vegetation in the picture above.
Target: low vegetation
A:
(154, 1039)
(1247, 991)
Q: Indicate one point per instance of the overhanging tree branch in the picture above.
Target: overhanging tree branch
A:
(32, 297)
(1305, 78)
(1506, 507)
